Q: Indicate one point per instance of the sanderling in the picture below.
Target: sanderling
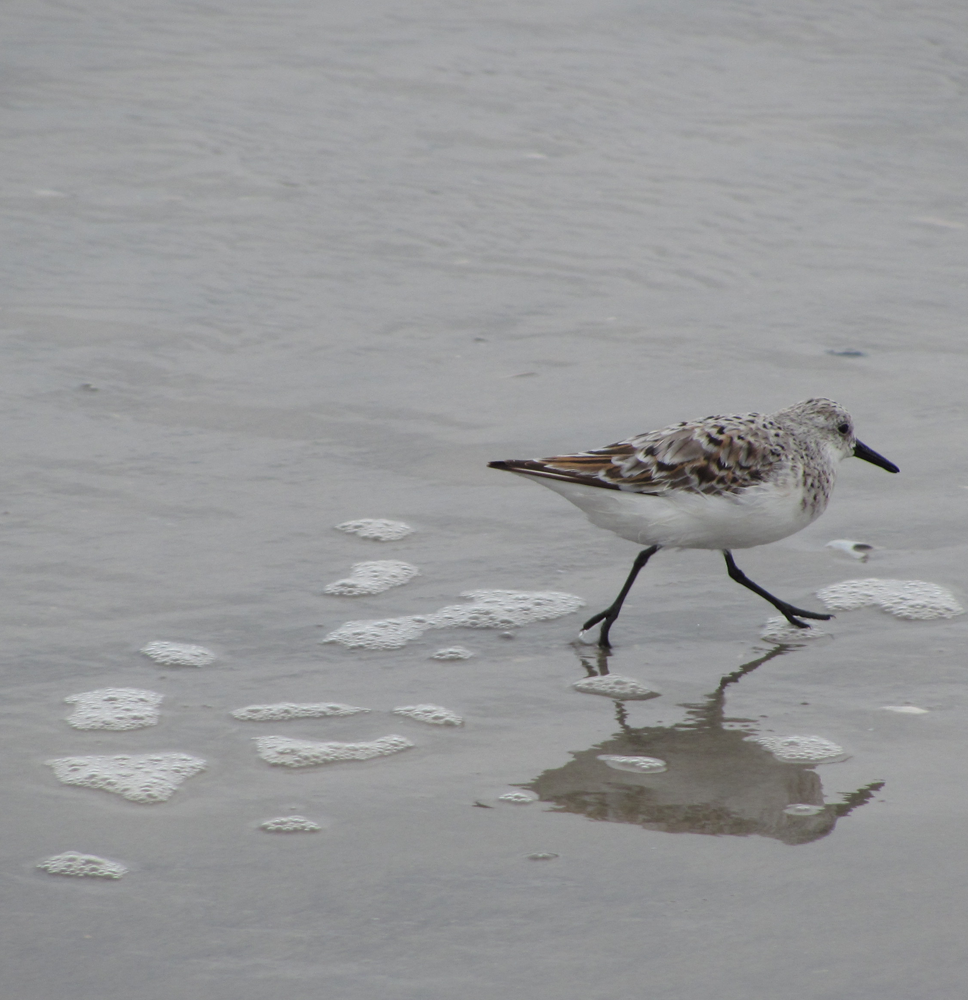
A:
(725, 483)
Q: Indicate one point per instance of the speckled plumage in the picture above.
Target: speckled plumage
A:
(787, 459)
(723, 482)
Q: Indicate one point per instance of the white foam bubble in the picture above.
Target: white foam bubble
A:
(377, 529)
(145, 778)
(114, 708)
(905, 709)
(178, 654)
(801, 749)
(780, 631)
(373, 578)
(290, 824)
(856, 550)
(488, 609)
(915, 600)
(287, 752)
(433, 714)
(507, 608)
(519, 798)
(803, 809)
(642, 765)
(82, 865)
(452, 653)
(290, 710)
(615, 686)
(389, 633)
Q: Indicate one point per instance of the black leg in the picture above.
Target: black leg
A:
(611, 612)
(787, 610)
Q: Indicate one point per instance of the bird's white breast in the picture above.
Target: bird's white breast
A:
(756, 516)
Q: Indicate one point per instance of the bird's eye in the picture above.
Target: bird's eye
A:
(844, 428)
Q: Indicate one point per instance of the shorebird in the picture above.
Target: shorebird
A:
(723, 482)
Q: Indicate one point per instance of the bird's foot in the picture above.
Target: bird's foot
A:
(606, 617)
(586, 638)
(789, 612)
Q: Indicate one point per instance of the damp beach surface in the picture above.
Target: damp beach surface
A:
(272, 271)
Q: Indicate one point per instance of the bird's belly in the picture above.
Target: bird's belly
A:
(692, 520)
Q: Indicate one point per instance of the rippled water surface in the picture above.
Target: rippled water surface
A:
(272, 268)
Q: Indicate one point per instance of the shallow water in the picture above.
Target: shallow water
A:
(271, 269)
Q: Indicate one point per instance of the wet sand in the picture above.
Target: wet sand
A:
(271, 269)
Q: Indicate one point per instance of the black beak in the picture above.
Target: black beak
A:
(869, 455)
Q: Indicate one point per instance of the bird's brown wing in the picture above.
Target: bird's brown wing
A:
(715, 455)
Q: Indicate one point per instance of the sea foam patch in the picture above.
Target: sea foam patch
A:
(518, 797)
(801, 749)
(373, 578)
(286, 752)
(506, 608)
(616, 686)
(638, 765)
(387, 633)
(114, 708)
(451, 653)
(82, 865)
(435, 715)
(291, 710)
(498, 609)
(780, 631)
(146, 778)
(290, 824)
(914, 600)
(803, 809)
(178, 654)
(377, 529)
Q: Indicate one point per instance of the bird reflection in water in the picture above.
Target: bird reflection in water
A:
(716, 782)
